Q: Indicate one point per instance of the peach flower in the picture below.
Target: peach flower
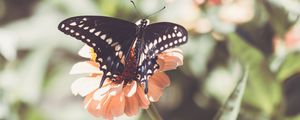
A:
(113, 99)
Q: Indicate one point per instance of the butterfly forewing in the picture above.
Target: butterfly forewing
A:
(110, 38)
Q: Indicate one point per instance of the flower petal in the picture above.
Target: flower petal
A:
(160, 79)
(83, 68)
(100, 93)
(130, 89)
(116, 89)
(92, 108)
(142, 98)
(105, 110)
(131, 105)
(85, 85)
(155, 92)
(117, 105)
(85, 51)
(170, 59)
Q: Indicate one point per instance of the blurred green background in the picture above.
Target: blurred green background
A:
(224, 36)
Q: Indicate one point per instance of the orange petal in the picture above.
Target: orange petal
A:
(117, 105)
(142, 98)
(130, 89)
(160, 79)
(116, 89)
(170, 59)
(105, 110)
(131, 105)
(155, 92)
(92, 108)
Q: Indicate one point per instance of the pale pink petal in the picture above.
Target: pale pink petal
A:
(87, 100)
(116, 89)
(142, 98)
(84, 68)
(160, 79)
(85, 85)
(131, 105)
(85, 51)
(117, 105)
(130, 89)
(100, 93)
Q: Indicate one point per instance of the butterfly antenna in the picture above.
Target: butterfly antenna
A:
(136, 10)
(158, 10)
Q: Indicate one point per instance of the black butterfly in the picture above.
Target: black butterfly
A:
(113, 40)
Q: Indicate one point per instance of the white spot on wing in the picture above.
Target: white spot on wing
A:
(164, 37)
(118, 47)
(82, 36)
(103, 37)
(77, 34)
(169, 36)
(67, 28)
(175, 42)
(80, 25)
(155, 42)
(184, 38)
(73, 24)
(62, 26)
(109, 40)
(104, 67)
(72, 31)
(98, 33)
(179, 34)
(85, 28)
(159, 40)
(180, 40)
(166, 46)
(94, 44)
(173, 35)
(92, 30)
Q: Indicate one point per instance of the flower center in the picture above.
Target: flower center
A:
(130, 71)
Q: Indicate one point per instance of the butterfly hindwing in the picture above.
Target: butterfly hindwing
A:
(162, 36)
(110, 38)
(159, 37)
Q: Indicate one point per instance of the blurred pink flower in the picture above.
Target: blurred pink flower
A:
(114, 99)
(290, 41)
(240, 11)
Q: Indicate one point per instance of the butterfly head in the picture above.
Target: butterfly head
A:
(142, 22)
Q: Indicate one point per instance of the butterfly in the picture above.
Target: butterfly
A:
(125, 51)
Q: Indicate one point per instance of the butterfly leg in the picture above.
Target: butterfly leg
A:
(102, 80)
(146, 86)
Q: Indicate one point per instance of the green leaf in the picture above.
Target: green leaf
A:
(263, 91)
(231, 108)
(290, 66)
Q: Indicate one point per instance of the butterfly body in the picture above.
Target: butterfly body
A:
(125, 51)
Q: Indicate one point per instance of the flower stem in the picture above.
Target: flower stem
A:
(153, 113)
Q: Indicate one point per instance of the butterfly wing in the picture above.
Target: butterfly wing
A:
(110, 38)
(159, 37)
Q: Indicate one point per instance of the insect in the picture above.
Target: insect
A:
(125, 51)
